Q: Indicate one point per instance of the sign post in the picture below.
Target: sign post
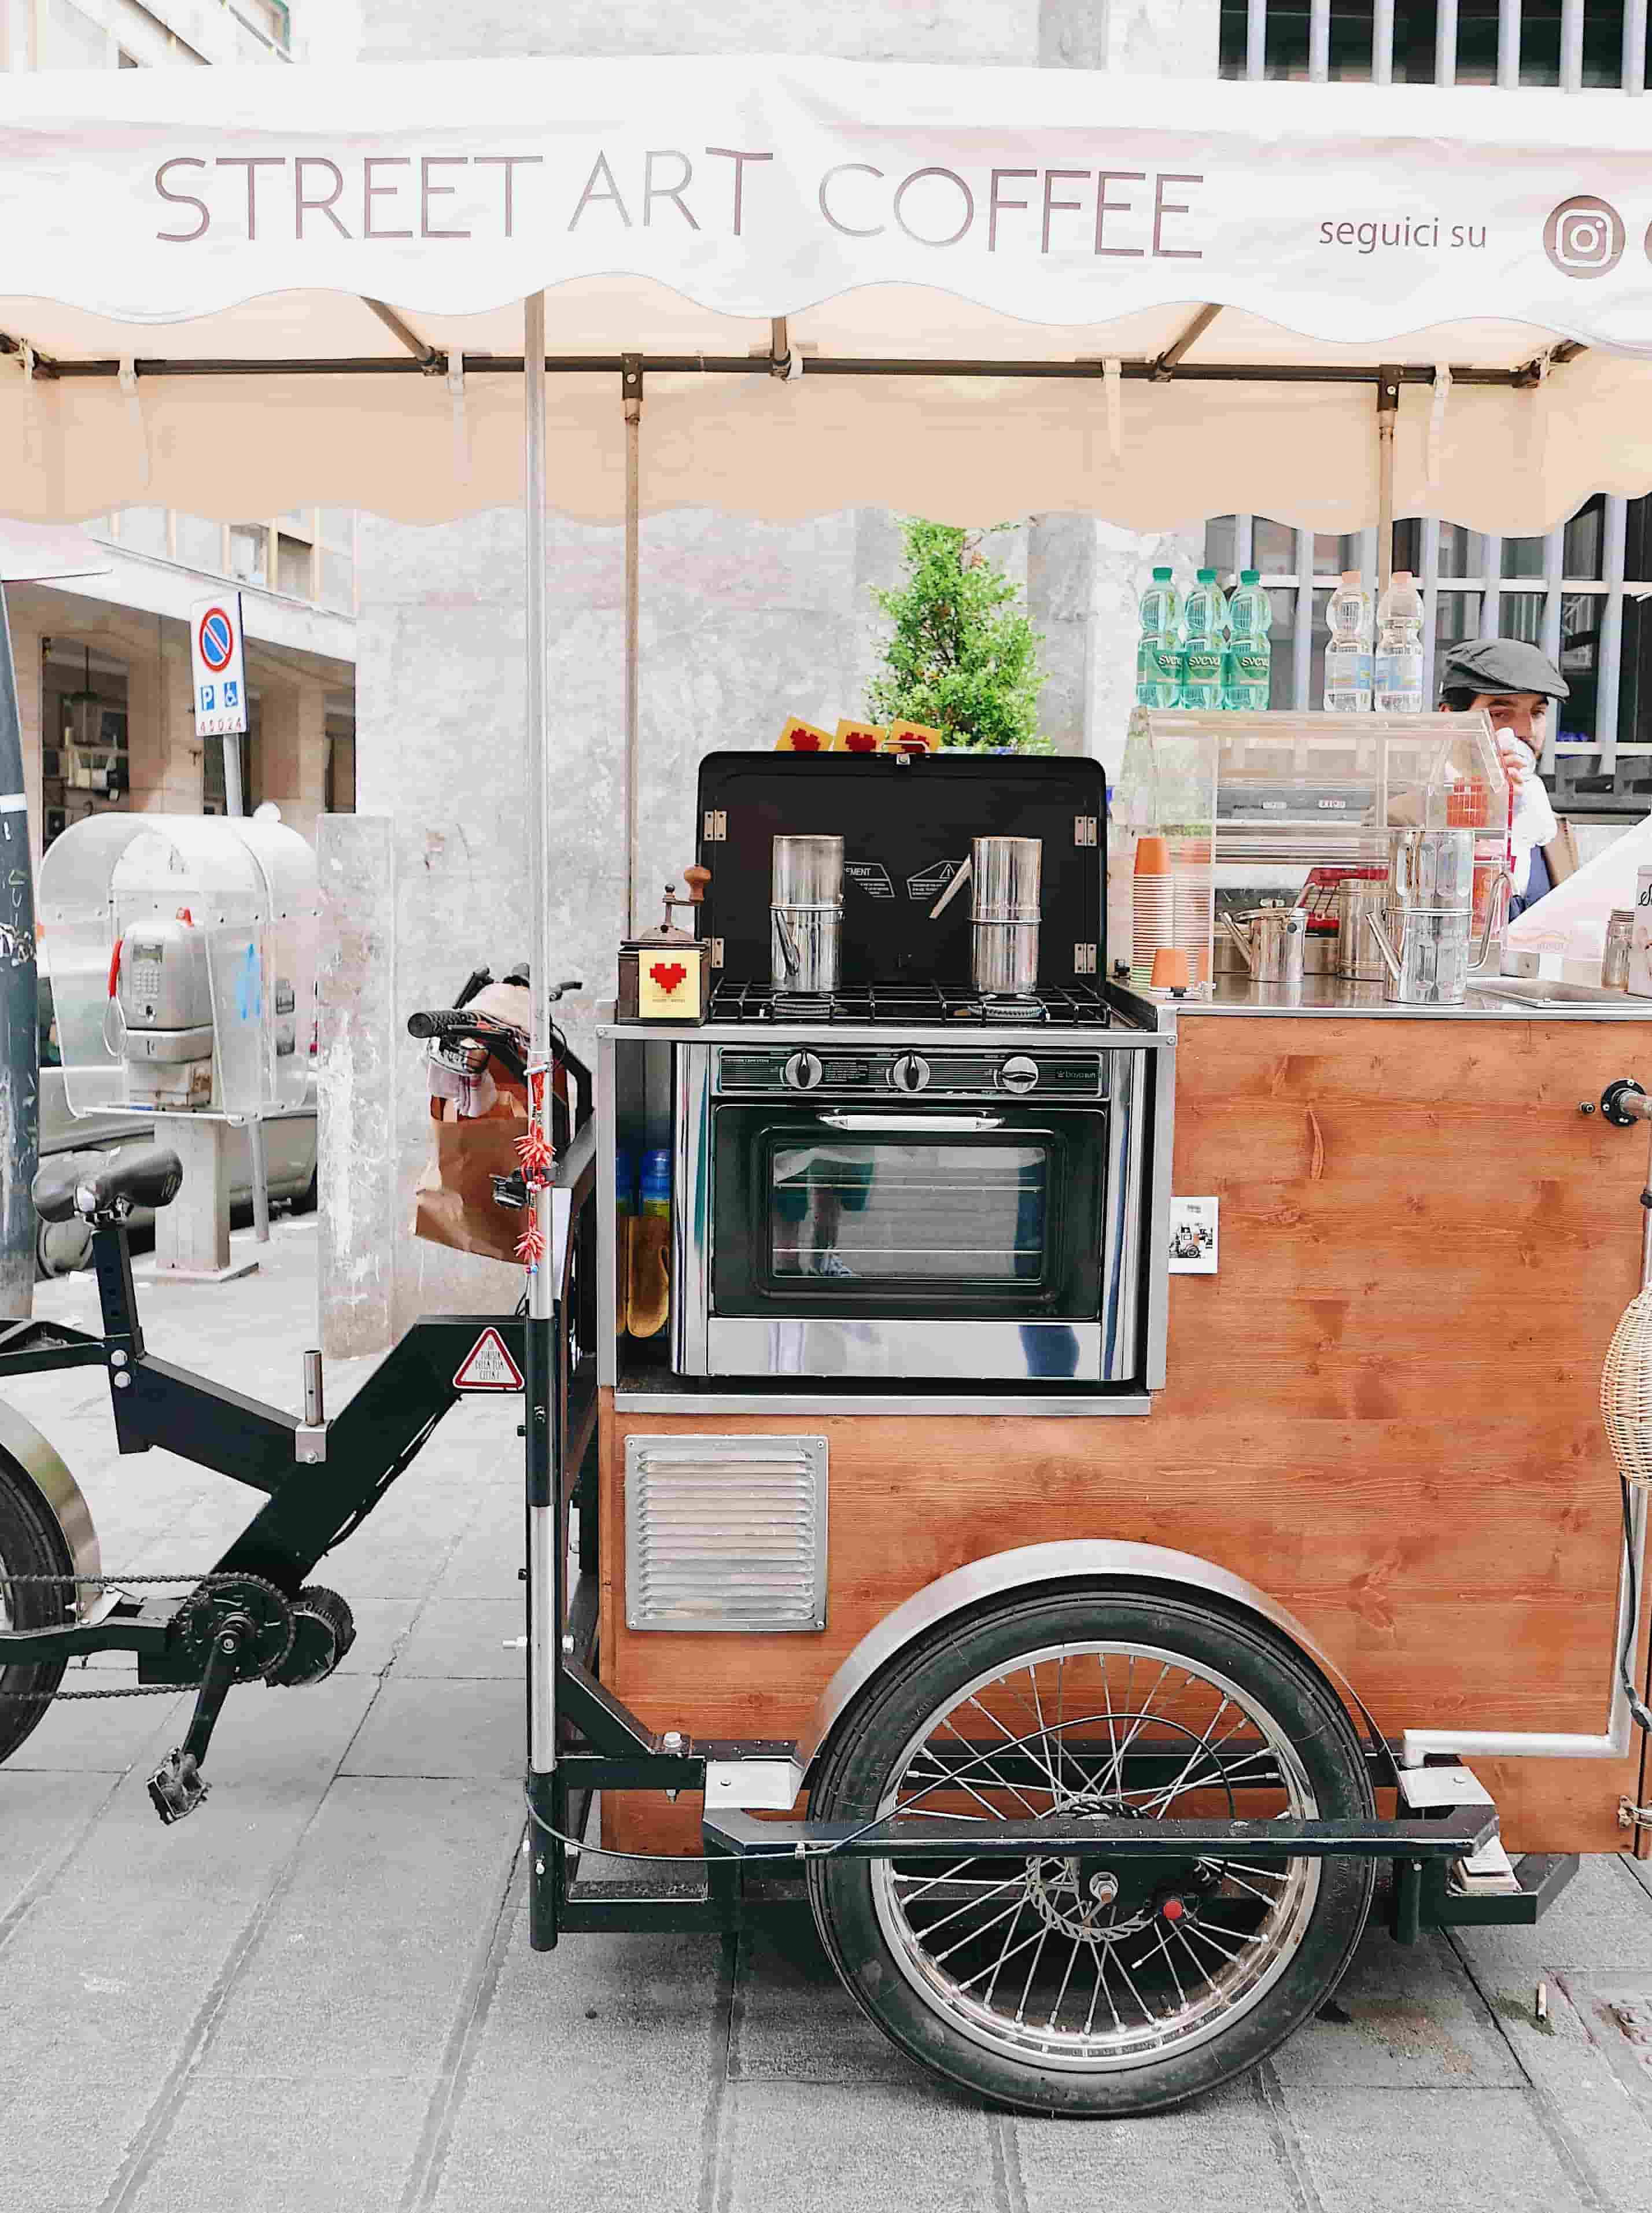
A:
(218, 660)
(20, 1102)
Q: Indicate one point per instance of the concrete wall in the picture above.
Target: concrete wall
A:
(741, 624)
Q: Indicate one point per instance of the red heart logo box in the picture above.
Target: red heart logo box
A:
(667, 974)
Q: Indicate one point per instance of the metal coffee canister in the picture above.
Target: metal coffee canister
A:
(1614, 957)
(805, 912)
(1639, 979)
(1004, 914)
(1431, 868)
(1358, 897)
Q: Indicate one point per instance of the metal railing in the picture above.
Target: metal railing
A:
(1259, 36)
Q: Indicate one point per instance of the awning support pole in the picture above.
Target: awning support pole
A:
(1388, 412)
(631, 383)
(545, 1567)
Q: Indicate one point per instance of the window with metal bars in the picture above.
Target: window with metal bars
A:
(1576, 593)
(1582, 44)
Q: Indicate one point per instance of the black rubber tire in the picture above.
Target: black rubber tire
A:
(859, 1761)
(31, 1544)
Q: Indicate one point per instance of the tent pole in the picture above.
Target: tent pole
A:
(1387, 410)
(540, 1396)
(631, 390)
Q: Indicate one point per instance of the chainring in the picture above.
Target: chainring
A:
(196, 1624)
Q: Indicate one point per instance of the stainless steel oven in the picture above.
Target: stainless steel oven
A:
(917, 1211)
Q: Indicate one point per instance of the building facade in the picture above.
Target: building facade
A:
(106, 655)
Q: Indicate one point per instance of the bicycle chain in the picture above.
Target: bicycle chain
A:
(121, 1582)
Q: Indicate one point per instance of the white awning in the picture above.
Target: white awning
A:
(968, 292)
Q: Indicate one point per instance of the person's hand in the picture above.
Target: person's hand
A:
(1518, 762)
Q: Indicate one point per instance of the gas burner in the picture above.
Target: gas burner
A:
(914, 1006)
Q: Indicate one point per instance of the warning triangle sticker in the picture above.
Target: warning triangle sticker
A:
(488, 1366)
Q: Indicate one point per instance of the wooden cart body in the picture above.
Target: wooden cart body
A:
(1383, 1412)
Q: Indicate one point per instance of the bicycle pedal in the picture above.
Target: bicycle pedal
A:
(176, 1788)
(324, 1630)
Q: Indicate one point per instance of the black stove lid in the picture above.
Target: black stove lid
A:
(906, 823)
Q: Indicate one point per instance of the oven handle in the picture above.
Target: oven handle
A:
(914, 1125)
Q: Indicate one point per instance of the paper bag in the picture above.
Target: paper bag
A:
(453, 1201)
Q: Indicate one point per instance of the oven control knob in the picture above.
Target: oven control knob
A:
(910, 1072)
(1019, 1073)
(802, 1071)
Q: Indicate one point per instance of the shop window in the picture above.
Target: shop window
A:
(292, 566)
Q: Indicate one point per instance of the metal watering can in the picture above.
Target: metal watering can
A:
(1272, 943)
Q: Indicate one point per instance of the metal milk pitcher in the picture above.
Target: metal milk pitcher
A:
(1272, 942)
(1358, 897)
(805, 912)
(1427, 957)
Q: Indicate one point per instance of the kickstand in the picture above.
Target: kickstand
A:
(175, 1787)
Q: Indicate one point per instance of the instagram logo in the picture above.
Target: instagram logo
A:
(1584, 236)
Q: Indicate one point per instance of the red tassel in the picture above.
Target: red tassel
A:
(530, 1246)
(534, 1153)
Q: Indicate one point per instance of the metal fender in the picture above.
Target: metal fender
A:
(24, 1446)
(1037, 1567)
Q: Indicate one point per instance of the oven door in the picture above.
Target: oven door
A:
(945, 1241)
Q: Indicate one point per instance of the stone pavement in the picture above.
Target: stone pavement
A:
(317, 1993)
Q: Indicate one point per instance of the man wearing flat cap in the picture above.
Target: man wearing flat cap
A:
(1514, 683)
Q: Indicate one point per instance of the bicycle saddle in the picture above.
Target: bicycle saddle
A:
(147, 1175)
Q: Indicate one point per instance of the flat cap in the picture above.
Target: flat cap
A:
(1500, 664)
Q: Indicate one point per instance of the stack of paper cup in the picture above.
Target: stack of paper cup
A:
(1640, 937)
(1153, 907)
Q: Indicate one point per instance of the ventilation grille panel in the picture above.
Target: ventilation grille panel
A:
(725, 1532)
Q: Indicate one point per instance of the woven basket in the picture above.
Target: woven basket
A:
(1626, 1391)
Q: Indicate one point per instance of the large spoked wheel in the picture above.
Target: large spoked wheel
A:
(1090, 1983)
(31, 1544)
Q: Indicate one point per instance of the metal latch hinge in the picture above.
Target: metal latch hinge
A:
(1083, 960)
(1085, 829)
(717, 826)
(714, 945)
(1631, 1816)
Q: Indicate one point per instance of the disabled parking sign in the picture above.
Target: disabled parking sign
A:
(218, 661)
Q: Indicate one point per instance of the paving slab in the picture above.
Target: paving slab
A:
(1406, 2017)
(878, 2149)
(42, 1816)
(596, 2079)
(274, 2144)
(795, 2023)
(1225, 2154)
(364, 1957)
(1582, 2073)
(423, 1727)
(1452, 2151)
(458, 1638)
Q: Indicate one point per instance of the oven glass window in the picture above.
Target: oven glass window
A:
(879, 1212)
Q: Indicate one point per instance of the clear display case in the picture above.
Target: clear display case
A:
(181, 951)
(1275, 794)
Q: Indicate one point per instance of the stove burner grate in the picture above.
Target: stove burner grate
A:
(910, 1005)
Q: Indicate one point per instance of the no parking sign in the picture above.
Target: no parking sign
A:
(214, 650)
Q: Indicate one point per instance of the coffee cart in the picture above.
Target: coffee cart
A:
(1079, 1640)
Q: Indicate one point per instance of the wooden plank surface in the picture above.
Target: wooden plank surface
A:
(1383, 1411)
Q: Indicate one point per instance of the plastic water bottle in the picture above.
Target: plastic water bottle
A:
(1205, 642)
(1158, 654)
(1348, 653)
(1246, 667)
(1398, 682)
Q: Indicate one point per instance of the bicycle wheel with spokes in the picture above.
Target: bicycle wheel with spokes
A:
(1093, 1982)
(31, 1546)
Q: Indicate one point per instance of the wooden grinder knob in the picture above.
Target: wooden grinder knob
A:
(697, 879)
